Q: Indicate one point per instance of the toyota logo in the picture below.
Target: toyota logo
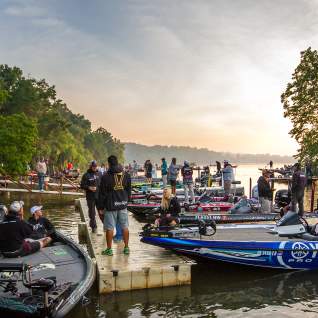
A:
(299, 250)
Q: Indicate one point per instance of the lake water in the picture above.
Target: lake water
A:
(216, 290)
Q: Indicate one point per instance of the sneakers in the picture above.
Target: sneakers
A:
(126, 250)
(108, 252)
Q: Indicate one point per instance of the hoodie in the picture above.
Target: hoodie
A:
(114, 190)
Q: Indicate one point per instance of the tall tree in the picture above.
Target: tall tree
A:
(18, 137)
(300, 101)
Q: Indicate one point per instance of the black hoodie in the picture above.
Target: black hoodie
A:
(114, 190)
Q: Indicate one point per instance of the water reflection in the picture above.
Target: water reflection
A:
(217, 292)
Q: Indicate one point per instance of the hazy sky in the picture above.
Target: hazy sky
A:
(184, 72)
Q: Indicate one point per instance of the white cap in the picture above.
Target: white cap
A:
(36, 208)
(16, 206)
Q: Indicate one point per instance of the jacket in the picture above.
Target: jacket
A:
(187, 174)
(264, 189)
(114, 190)
(164, 168)
(42, 227)
(227, 173)
(174, 207)
(90, 179)
(13, 231)
(173, 172)
(299, 181)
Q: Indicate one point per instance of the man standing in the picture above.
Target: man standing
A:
(89, 183)
(298, 189)
(164, 172)
(187, 174)
(41, 169)
(173, 175)
(113, 197)
(264, 192)
(227, 174)
(135, 168)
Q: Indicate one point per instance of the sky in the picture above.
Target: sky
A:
(172, 72)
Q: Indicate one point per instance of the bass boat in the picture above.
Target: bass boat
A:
(48, 283)
(289, 244)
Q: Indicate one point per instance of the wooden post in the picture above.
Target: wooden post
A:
(61, 184)
(250, 188)
(313, 188)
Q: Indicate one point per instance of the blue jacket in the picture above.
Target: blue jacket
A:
(164, 168)
(228, 173)
(173, 172)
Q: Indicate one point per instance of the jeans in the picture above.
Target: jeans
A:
(227, 187)
(91, 212)
(41, 180)
(265, 205)
(298, 198)
(164, 180)
(188, 188)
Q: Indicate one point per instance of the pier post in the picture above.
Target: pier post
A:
(312, 199)
(250, 188)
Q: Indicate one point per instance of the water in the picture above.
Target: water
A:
(216, 290)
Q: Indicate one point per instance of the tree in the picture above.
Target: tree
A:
(300, 102)
(18, 137)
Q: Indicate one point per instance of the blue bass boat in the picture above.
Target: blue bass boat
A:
(289, 244)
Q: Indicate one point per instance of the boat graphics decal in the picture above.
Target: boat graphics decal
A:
(276, 254)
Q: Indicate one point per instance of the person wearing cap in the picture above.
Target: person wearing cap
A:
(187, 175)
(173, 175)
(15, 235)
(228, 176)
(164, 172)
(264, 192)
(113, 196)
(42, 227)
(89, 183)
(298, 185)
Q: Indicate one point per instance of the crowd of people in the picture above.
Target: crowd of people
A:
(108, 191)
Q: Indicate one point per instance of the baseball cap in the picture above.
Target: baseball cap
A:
(16, 206)
(36, 208)
(93, 163)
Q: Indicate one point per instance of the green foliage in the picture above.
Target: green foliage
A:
(62, 135)
(300, 101)
(18, 137)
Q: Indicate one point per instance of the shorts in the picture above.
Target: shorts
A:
(149, 175)
(30, 247)
(173, 183)
(111, 218)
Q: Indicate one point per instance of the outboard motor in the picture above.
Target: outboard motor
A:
(282, 198)
(290, 224)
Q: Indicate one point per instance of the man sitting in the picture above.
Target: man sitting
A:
(42, 227)
(14, 233)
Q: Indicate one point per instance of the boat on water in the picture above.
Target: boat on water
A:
(48, 283)
(288, 244)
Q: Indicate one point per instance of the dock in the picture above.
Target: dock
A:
(146, 267)
(8, 190)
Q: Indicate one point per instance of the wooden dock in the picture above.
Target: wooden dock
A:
(8, 190)
(146, 267)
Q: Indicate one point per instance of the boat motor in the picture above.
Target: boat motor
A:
(291, 224)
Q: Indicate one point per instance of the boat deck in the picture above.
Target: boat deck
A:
(146, 267)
